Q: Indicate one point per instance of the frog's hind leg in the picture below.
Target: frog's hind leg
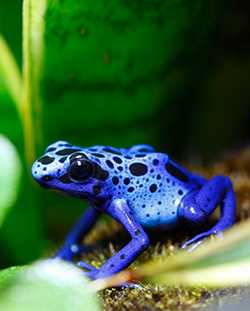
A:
(198, 207)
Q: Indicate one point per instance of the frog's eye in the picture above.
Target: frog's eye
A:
(81, 169)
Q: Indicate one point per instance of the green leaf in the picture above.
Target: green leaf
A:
(223, 262)
(10, 172)
(112, 66)
(10, 76)
(6, 275)
(234, 274)
(48, 285)
(10, 93)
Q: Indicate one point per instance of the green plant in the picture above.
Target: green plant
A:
(46, 285)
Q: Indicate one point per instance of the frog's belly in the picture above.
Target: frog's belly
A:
(158, 211)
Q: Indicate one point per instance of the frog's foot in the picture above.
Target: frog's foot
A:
(199, 205)
(193, 243)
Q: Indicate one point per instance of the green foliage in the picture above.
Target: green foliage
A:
(7, 275)
(114, 65)
(44, 286)
(10, 94)
(10, 173)
(10, 77)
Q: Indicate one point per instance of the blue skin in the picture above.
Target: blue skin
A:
(138, 187)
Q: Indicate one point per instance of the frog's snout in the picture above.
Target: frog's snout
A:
(41, 175)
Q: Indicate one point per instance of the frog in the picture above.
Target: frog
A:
(138, 187)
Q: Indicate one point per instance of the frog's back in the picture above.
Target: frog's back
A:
(153, 186)
(154, 197)
(151, 183)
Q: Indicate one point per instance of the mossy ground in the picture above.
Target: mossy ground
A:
(108, 237)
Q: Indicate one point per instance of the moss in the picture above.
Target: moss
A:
(107, 238)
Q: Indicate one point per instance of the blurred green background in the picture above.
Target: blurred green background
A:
(171, 73)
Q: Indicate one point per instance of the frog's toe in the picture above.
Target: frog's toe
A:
(200, 238)
(197, 239)
(86, 266)
(192, 246)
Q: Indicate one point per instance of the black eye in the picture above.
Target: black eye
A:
(81, 169)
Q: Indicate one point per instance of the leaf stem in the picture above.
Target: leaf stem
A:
(33, 30)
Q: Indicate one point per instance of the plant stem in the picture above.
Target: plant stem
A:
(33, 30)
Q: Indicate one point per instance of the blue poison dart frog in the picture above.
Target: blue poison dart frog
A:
(138, 187)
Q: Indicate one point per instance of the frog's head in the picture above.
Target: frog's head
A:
(72, 170)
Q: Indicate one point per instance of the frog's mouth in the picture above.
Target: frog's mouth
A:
(44, 181)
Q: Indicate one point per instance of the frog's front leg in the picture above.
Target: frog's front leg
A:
(71, 246)
(197, 207)
(119, 210)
